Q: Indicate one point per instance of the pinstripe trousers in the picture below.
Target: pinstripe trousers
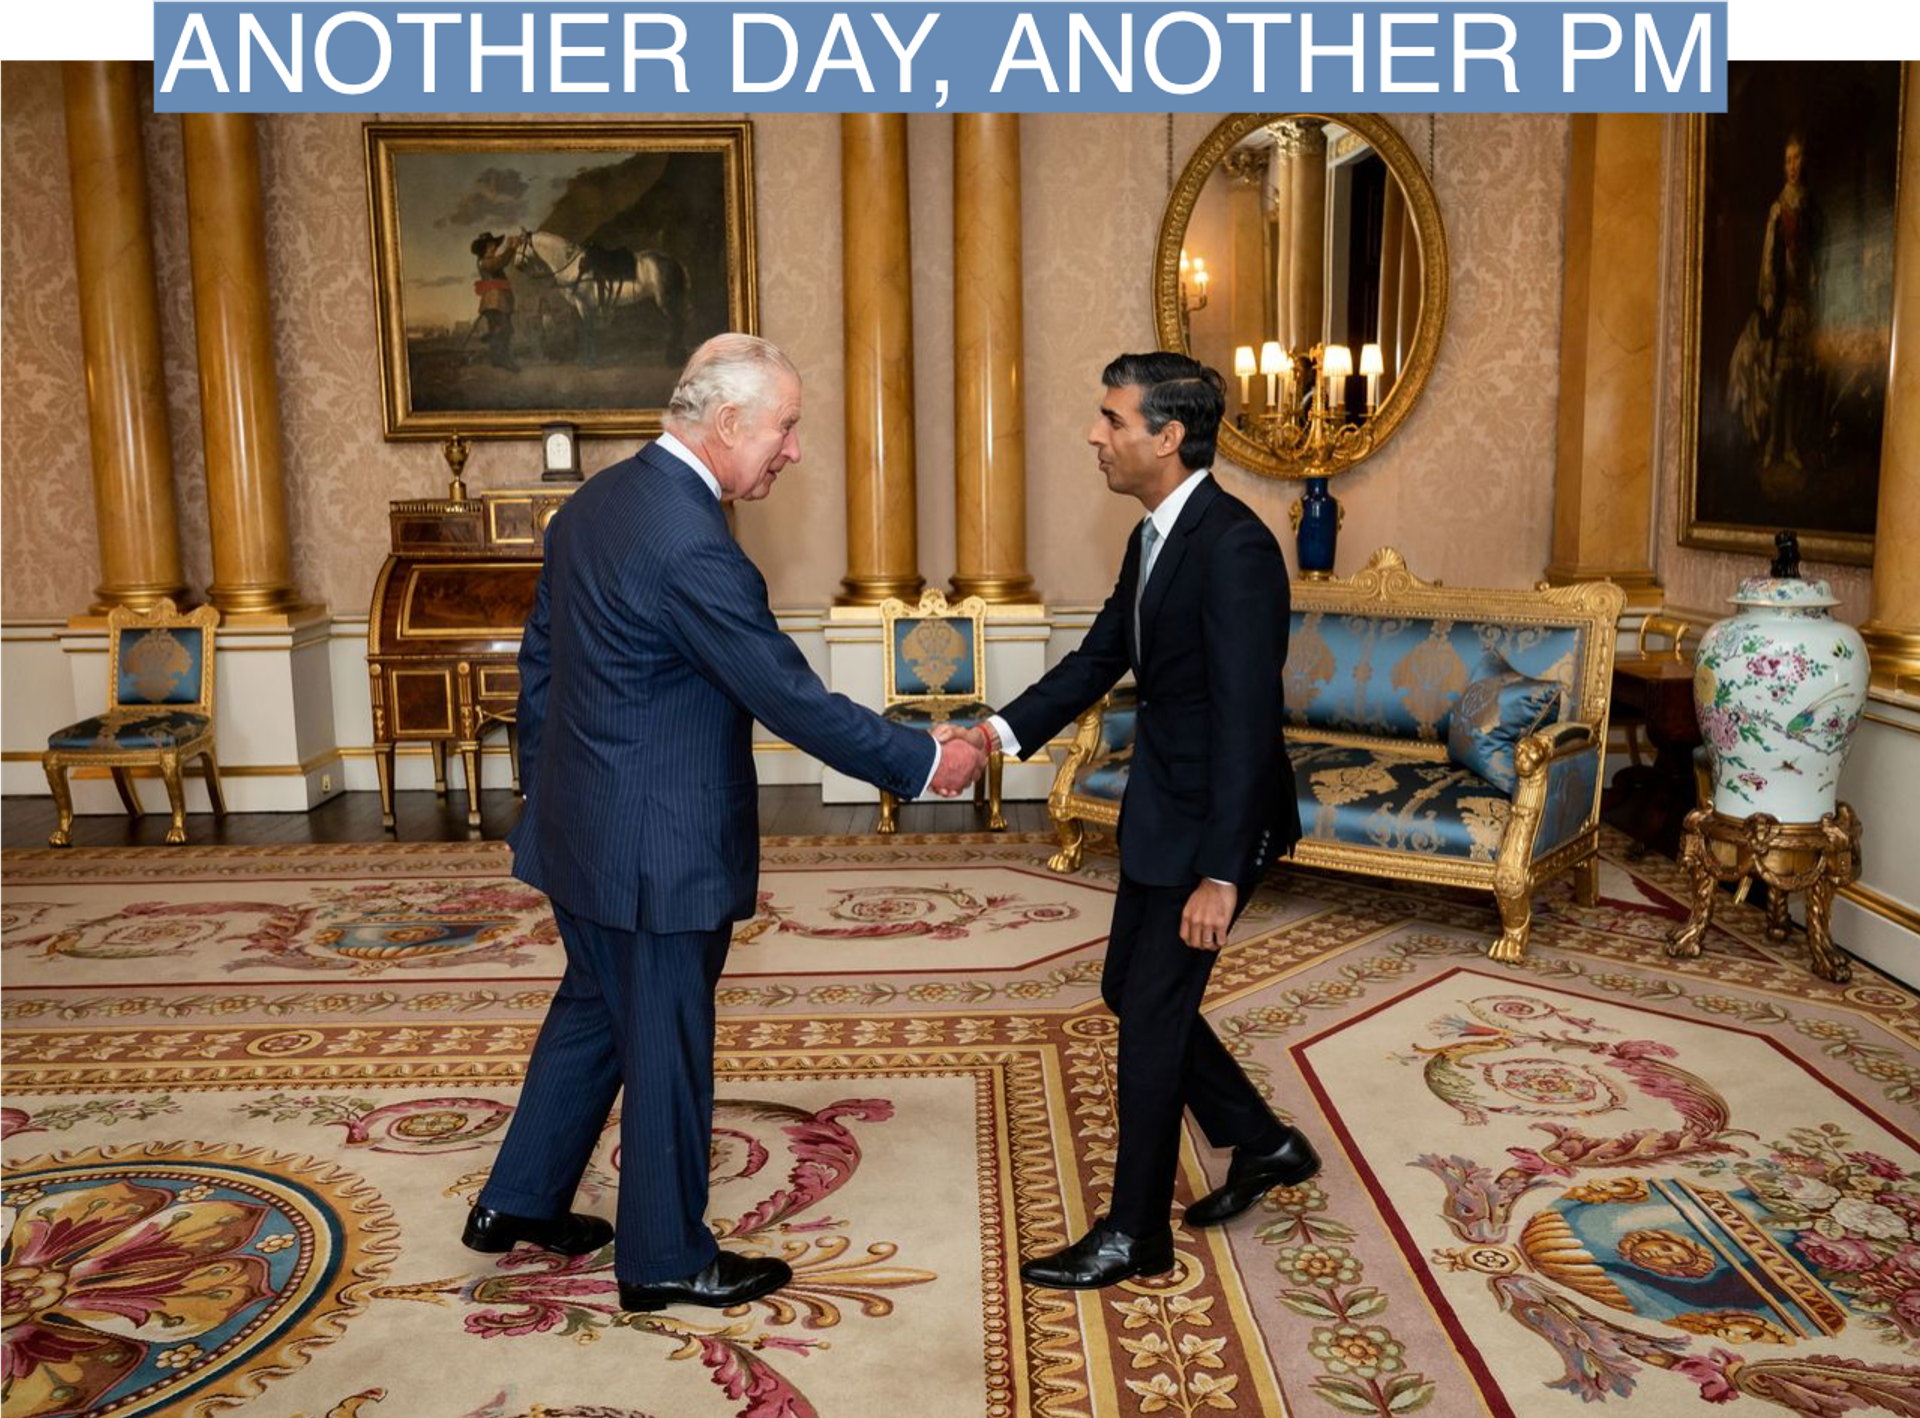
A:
(633, 1009)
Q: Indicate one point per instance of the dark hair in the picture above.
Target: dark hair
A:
(1175, 386)
(483, 243)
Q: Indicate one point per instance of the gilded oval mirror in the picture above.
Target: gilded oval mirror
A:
(1289, 233)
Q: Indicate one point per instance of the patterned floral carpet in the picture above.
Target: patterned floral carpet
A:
(249, 1092)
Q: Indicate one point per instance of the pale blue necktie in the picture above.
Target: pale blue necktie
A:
(1149, 539)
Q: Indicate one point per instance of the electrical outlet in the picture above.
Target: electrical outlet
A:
(326, 782)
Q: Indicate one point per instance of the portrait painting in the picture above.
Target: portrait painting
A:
(532, 272)
(1790, 230)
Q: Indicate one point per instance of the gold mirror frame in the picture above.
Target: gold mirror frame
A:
(1421, 201)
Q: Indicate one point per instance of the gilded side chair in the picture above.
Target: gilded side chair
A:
(934, 664)
(159, 714)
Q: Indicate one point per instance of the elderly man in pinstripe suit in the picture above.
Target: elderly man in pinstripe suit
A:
(649, 653)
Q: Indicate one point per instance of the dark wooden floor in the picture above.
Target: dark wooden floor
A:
(424, 817)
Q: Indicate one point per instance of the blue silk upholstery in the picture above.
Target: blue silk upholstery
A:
(925, 715)
(134, 728)
(1500, 707)
(1369, 797)
(1106, 781)
(160, 666)
(1570, 788)
(933, 655)
(1118, 719)
(1373, 798)
(1401, 676)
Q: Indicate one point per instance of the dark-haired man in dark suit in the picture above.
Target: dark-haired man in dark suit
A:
(1200, 616)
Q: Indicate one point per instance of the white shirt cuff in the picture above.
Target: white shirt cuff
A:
(939, 752)
(1009, 744)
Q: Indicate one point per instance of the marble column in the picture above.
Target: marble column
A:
(1307, 260)
(883, 552)
(1241, 280)
(1892, 631)
(120, 335)
(1603, 479)
(239, 396)
(989, 363)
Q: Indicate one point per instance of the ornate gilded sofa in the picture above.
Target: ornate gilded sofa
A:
(1375, 665)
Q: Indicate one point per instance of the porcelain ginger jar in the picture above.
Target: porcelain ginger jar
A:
(1778, 687)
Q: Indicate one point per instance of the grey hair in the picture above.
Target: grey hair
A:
(727, 369)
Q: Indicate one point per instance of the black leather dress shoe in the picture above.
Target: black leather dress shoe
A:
(1104, 1256)
(728, 1279)
(571, 1235)
(1251, 1175)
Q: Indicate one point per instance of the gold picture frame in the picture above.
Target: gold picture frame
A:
(1742, 476)
(526, 273)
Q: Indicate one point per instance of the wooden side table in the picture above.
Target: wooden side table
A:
(1649, 802)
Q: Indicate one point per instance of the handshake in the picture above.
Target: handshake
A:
(964, 749)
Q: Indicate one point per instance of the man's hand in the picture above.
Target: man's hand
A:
(979, 735)
(1203, 925)
(961, 762)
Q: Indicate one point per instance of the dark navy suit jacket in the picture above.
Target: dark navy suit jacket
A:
(1211, 791)
(649, 653)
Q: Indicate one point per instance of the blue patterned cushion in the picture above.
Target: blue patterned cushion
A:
(1117, 719)
(161, 665)
(933, 655)
(133, 728)
(1401, 675)
(1374, 798)
(945, 711)
(1106, 780)
(1570, 787)
(1498, 708)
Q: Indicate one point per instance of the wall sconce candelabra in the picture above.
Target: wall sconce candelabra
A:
(1194, 281)
(1320, 439)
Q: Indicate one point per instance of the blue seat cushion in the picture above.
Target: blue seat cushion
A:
(1370, 797)
(133, 729)
(925, 714)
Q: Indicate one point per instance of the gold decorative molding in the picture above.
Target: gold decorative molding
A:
(1867, 899)
(1422, 202)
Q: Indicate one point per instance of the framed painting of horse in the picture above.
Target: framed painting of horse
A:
(1788, 308)
(531, 272)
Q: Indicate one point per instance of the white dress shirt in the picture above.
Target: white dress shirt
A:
(667, 443)
(1164, 517)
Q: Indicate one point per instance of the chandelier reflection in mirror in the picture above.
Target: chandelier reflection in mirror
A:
(1306, 419)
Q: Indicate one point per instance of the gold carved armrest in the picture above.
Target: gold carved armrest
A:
(1534, 752)
(1086, 744)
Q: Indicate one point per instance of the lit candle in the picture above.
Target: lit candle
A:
(1336, 363)
(1272, 360)
(1373, 365)
(1200, 276)
(1243, 366)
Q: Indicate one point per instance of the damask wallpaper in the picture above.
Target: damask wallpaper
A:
(1465, 489)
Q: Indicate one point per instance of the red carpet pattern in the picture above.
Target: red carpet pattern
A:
(249, 1092)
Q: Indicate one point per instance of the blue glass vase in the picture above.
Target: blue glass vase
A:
(1317, 523)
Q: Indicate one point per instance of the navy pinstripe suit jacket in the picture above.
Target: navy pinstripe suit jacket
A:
(649, 653)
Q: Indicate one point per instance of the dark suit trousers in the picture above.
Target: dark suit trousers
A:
(1170, 1059)
(633, 1009)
